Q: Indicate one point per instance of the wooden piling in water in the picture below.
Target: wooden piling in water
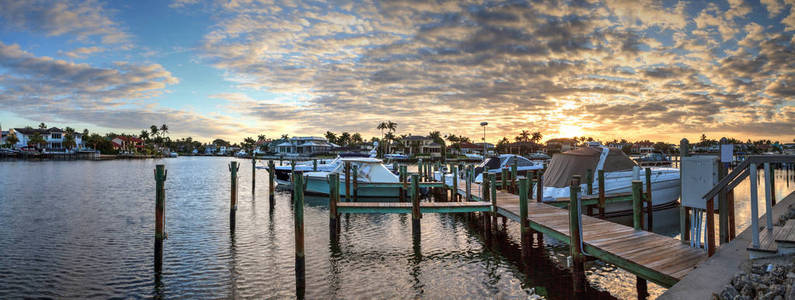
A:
(160, 215)
(493, 190)
(602, 198)
(404, 181)
(333, 199)
(469, 175)
(347, 181)
(577, 259)
(233, 168)
(271, 185)
(649, 205)
(540, 187)
(454, 188)
(524, 224)
(253, 174)
(314, 165)
(637, 204)
(415, 206)
(485, 196)
(355, 176)
(684, 220)
(514, 174)
(420, 169)
(504, 179)
(298, 208)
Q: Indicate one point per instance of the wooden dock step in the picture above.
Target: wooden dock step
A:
(787, 233)
(767, 242)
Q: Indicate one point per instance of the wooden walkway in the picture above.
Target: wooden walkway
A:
(657, 258)
(405, 207)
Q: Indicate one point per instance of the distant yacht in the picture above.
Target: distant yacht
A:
(369, 170)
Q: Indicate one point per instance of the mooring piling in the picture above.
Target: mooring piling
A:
(415, 206)
(347, 181)
(160, 215)
(253, 174)
(575, 250)
(524, 225)
(314, 165)
(454, 188)
(637, 204)
(487, 216)
(271, 186)
(684, 225)
(504, 179)
(334, 198)
(298, 208)
(649, 205)
(233, 168)
(514, 174)
(404, 182)
(355, 176)
(493, 196)
(602, 197)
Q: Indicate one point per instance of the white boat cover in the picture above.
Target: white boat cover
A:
(577, 162)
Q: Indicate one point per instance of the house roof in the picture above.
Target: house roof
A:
(466, 145)
(285, 144)
(28, 131)
(416, 138)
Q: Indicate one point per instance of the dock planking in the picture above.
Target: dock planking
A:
(657, 258)
(405, 207)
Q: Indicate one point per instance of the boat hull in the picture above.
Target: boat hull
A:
(320, 186)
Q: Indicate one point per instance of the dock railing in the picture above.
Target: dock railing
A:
(725, 187)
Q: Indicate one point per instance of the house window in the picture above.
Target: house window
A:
(56, 135)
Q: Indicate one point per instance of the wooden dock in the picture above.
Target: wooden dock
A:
(657, 258)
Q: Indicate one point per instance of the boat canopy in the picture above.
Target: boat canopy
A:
(577, 162)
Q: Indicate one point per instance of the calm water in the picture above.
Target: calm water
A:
(74, 229)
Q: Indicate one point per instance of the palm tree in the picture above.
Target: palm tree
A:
(164, 129)
(392, 126)
(69, 141)
(525, 136)
(11, 140)
(536, 137)
(36, 140)
(381, 126)
(389, 137)
(144, 135)
(42, 125)
(154, 130)
(331, 137)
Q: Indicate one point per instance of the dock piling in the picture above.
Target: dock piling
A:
(493, 197)
(468, 184)
(233, 168)
(504, 179)
(589, 182)
(160, 215)
(649, 205)
(577, 259)
(314, 165)
(334, 198)
(637, 204)
(684, 228)
(487, 216)
(347, 181)
(271, 186)
(298, 208)
(524, 224)
(540, 187)
(253, 174)
(602, 198)
(355, 176)
(415, 206)
(404, 181)
(514, 174)
(454, 188)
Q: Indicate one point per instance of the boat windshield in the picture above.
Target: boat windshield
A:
(520, 161)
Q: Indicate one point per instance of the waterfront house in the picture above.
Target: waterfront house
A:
(489, 148)
(126, 144)
(53, 136)
(470, 148)
(418, 144)
(209, 149)
(642, 147)
(560, 145)
(522, 148)
(304, 146)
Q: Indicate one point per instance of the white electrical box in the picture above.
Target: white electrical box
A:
(699, 176)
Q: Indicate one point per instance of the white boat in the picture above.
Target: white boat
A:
(474, 156)
(495, 165)
(369, 170)
(618, 169)
(241, 153)
(396, 156)
(173, 154)
(283, 172)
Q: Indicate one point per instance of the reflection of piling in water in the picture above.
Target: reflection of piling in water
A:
(334, 197)
(160, 216)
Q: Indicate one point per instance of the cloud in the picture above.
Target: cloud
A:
(79, 19)
(117, 96)
(81, 52)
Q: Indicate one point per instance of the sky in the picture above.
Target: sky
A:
(659, 70)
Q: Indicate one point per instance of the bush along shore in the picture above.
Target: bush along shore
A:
(767, 278)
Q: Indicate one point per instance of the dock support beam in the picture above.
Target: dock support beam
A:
(233, 168)
(723, 201)
(300, 260)
(753, 176)
(271, 186)
(602, 198)
(160, 216)
(415, 206)
(577, 258)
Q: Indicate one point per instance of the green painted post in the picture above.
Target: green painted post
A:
(443, 178)
(493, 191)
(355, 176)
(602, 197)
(649, 205)
(314, 165)
(253, 173)
(487, 216)
(334, 198)
(469, 185)
(233, 168)
(347, 181)
(416, 215)
(454, 189)
(637, 205)
(684, 231)
(578, 261)
(300, 259)
(504, 182)
(524, 225)
(404, 183)
(160, 215)
(540, 187)
(514, 174)
(420, 170)
(395, 166)
(589, 181)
